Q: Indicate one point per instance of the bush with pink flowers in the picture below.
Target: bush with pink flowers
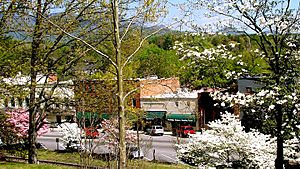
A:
(18, 119)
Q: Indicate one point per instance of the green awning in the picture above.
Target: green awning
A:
(89, 115)
(151, 115)
(181, 117)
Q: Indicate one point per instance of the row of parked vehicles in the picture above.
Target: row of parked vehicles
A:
(181, 131)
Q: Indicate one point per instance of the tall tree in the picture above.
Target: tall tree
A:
(124, 17)
(46, 51)
(276, 22)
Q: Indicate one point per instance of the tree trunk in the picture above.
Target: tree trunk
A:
(279, 158)
(36, 40)
(121, 111)
(278, 108)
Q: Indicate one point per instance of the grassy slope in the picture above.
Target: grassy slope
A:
(75, 158)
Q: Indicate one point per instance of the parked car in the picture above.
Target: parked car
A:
(135, 153)
(155, 130)
(184, 131)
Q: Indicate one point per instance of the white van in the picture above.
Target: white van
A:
(156, 130)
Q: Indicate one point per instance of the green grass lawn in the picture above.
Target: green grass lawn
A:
(15, 165)
(75, 158)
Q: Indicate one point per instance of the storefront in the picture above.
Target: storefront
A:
(155, 118)
(177, 120)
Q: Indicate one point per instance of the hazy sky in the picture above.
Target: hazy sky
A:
(198, 15)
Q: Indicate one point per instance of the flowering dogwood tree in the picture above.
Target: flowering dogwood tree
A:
(226, 144)
(19, 121)
(276, 26)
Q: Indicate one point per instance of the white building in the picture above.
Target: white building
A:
(59, 95)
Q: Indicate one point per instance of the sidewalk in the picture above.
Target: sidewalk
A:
(168, 132)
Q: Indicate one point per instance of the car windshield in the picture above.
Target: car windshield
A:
(188, 128)
(158, 127)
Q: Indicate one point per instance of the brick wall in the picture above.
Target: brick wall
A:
(153, 87)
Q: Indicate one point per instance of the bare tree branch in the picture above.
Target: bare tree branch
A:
(83, 41)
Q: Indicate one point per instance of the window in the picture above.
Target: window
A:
(133, 102)
(20, 101)
(12, 102)
(27, 101)
(188, 103)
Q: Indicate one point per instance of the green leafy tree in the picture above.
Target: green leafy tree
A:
(153, 60)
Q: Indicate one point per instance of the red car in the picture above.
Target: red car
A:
(91, 132)
(183, 131)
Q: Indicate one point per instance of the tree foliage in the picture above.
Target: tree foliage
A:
(227, 144)
(153, 60)
(276, 24)
(216, 65)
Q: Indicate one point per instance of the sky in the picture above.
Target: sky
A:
(198, 15)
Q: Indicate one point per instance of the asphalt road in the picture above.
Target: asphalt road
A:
(160, 147)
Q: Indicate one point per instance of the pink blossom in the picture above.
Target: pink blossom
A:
(19, 120)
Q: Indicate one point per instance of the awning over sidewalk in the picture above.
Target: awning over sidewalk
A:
(151, 115)
(181, 117)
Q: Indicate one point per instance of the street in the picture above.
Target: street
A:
(162, 147)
